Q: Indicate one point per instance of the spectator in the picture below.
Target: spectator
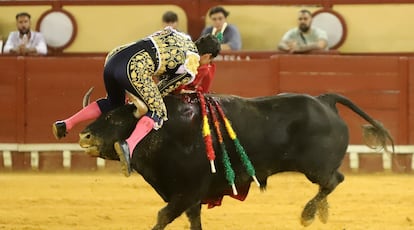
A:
(228, 34)
(1, 44)
(170, 18)
(25, 41)
(304, 38)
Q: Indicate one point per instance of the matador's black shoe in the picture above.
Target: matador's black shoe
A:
(59, 129)
(122, 149)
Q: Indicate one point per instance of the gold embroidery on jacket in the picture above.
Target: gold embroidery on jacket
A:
(191, 63)
(171, 85)
(172, 47)
(140, 69)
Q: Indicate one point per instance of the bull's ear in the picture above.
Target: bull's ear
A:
(86, 99)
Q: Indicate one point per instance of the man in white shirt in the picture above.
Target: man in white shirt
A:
(25, 41)
(304, 38)
(1, 44)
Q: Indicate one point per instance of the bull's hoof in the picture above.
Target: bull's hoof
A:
(59, 129)
(306, 222)
(122, 149)
(323, 211)
(308, 213)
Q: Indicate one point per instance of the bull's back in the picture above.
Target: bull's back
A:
(283, 132)
(296, 114)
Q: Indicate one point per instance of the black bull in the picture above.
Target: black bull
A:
(287, 132)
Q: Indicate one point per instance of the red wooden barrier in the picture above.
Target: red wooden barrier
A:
(55, 87)
(35, 91)
(12, 99)
(410, 87)
(376, 84)
(246, 78)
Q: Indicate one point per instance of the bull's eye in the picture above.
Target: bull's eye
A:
(108, 117)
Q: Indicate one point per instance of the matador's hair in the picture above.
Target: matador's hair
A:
(208, 44)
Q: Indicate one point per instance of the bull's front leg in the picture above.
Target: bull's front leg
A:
(163, 219)
(194, 216)
(175, 208)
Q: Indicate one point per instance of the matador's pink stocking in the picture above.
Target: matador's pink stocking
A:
(89, 112)
(143, 127)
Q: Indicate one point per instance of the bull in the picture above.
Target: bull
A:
(280, 133)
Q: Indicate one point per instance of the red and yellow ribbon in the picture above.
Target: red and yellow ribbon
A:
(230, 175)
(207, 133)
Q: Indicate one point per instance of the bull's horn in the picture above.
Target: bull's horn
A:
(139, 104)
(86, 98)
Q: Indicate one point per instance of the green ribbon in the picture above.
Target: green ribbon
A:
(219, 37)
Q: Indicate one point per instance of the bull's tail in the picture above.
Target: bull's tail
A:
(375, 134)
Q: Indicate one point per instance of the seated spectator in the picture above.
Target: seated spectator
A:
(170, 18)
(25, 41)
(304, 38)
(228, 34)
(1, 44)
